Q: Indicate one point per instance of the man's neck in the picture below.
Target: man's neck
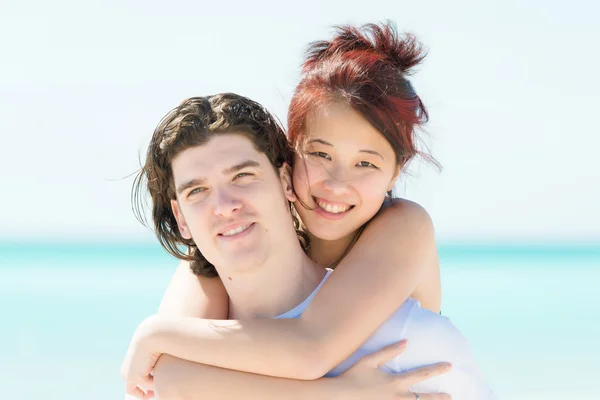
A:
(282, 282)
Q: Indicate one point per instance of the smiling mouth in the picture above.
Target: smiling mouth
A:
(235, 231)
(332, 208)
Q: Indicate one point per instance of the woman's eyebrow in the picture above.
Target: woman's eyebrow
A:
(372, 152)
(320, 141)
(360, 151)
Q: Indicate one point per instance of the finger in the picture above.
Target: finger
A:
(136, 392)
(420, 374)
(149, 395)
(147, 383)
(384, 355)
(429, 396)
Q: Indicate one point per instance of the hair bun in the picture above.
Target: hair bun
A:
(403, 52)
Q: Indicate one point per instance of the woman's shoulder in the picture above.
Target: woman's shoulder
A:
(404, 206)
(398, 219)
(396, 210)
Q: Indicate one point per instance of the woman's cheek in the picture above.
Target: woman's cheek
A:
(303, 176)
(373, 193)
(298, 176)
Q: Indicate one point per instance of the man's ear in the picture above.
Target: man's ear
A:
(394, 178)
(181, 224)
(285, 174)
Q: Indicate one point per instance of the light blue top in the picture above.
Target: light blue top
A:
(432, 338)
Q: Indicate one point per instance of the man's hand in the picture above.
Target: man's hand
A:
(138, 365)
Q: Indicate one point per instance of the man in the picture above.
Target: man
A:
(219, 177)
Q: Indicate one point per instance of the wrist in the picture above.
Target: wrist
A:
(332, 389)
(146, 333)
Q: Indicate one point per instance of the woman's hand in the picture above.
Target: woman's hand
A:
(365, 380)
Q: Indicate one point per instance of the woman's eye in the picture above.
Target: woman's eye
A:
(321, 154)
(366, 164)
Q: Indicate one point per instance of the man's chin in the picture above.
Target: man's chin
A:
(238, 262)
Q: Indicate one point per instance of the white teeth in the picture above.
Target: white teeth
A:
(235, 231)
(331, 208)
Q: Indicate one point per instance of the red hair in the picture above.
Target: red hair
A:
(366, 68)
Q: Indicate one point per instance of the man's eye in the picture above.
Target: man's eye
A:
(243, 175)
(366, 164)
(195, 191)
(320, 154)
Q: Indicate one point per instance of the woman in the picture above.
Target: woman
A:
(351, 121)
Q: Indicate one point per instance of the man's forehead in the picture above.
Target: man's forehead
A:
(217, 156)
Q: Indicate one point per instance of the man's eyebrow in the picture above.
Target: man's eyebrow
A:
(240, 166)
(189, 184)
(226, 171)
(360, 151)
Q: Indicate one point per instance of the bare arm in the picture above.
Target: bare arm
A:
(175, 378)
(191, 296)
(184, 380)
(427, 284)
(394, 255)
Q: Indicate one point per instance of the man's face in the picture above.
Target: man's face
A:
(232, 202)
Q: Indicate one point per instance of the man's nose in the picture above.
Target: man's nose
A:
(226, 203)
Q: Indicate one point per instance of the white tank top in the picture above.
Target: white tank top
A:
(431, 339)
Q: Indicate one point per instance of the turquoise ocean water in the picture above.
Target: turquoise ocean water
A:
(68, 311)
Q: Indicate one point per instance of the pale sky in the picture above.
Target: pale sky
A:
(512, 88)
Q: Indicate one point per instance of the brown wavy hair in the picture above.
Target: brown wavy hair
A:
(192, 124)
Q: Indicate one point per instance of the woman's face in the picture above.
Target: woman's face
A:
(343, 172)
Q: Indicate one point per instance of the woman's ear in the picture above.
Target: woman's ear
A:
(285, 174)
(181, 224)
(394, 178)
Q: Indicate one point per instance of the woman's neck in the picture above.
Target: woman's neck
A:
(329, 252)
